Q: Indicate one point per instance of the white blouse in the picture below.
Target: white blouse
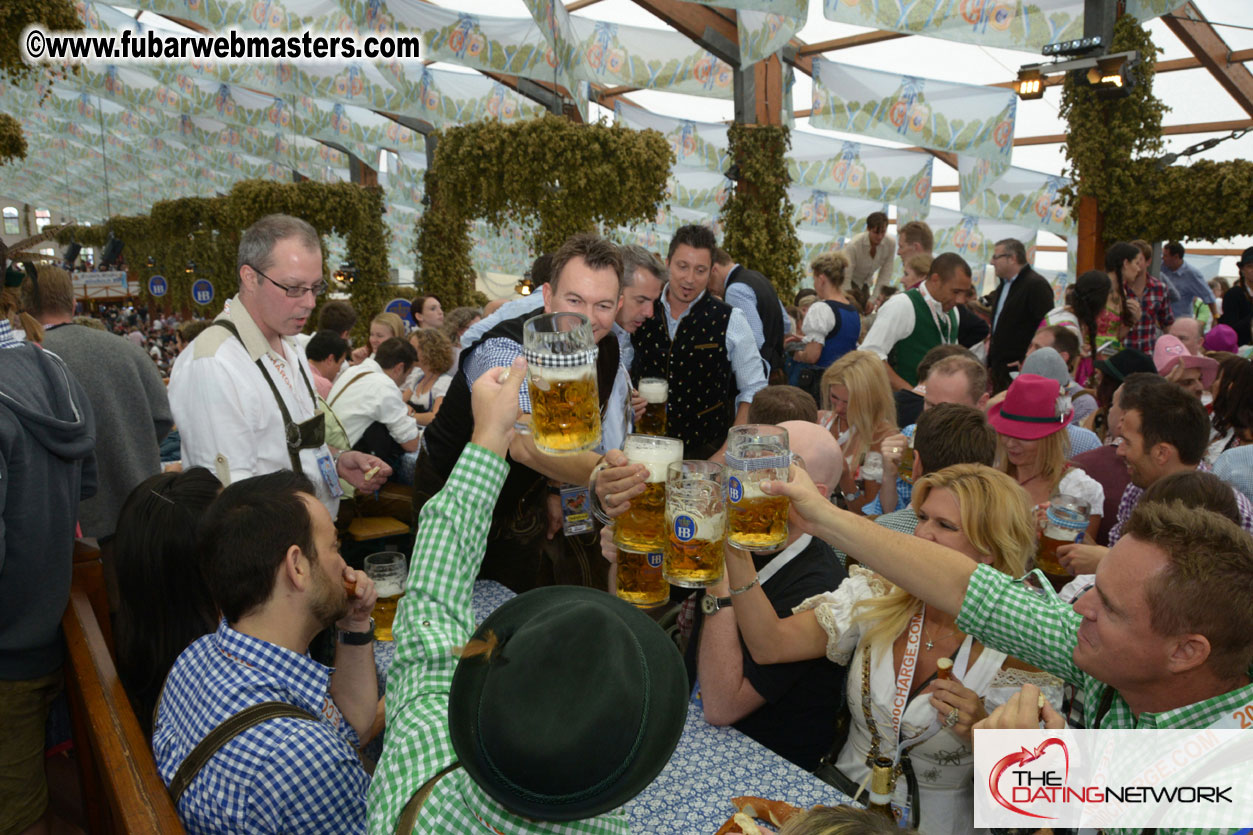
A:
(943, 763)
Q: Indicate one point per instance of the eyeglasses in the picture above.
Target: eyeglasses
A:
(1000, 255)
(294, 291)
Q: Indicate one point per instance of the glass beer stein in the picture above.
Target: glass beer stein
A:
(388, 571)
(696, 519)
(640, 580)
(642, 528)
(756, 453)
(655, 391)
(1065, 522)
(560, 352)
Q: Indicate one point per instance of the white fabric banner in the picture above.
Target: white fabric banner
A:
(941, 115)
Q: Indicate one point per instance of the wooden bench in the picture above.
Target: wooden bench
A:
(122, 790)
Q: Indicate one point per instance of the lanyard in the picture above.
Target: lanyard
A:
(775, 565)
(905, 676)
(943, 323)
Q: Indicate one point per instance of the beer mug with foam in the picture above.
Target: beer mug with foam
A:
(696, 519)
(655, 391)
(642, 528)
(388, 571)
(560, 352)
(756, 453)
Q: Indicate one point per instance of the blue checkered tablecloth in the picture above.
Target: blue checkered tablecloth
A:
(692, 795)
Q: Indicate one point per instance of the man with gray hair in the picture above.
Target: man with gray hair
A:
(242, 396)
(1018, 306)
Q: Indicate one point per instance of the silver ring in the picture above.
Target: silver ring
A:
(951, 719)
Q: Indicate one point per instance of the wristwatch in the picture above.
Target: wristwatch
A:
(710, 604)
(357, 639)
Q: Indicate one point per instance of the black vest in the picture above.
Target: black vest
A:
(701, 407)
(768, 311)
(448, 434)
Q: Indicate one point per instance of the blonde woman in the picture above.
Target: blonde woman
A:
(383, 327)
(860, 413)
(875, 628)
(1033, 446)
(428, 382)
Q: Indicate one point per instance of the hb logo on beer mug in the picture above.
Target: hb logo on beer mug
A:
(560, 352)
(756, 453)
(696, 519)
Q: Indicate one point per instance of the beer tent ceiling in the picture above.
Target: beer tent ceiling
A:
(178, 130)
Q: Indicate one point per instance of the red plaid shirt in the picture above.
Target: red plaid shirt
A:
(1154, 314)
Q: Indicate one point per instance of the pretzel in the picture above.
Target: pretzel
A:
(740, 824)
(371, 473)
(775, 811)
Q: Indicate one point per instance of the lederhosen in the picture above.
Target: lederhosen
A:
(308, 434)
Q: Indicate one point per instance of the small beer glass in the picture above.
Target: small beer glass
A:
(696, 519)
(1065, 522)
(905, 472)
(642, 528)
(560, 352)
(655, 391)
(756, 453)
(388, 571)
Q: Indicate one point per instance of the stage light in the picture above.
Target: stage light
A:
(1030, 84)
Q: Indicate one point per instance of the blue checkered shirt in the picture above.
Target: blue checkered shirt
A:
(7, 339)
(284, 775)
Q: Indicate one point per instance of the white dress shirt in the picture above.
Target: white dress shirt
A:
(864, 266)
(895, 321)
(374, 397)
(226, 414)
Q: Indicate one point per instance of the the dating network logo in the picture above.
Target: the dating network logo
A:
(1021, 790)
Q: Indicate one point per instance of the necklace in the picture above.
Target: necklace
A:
(1025, 481)
(930, 644)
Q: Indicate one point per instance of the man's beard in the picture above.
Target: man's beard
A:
(330, 601)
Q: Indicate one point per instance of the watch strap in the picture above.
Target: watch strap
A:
(710, 604)
(356, 639)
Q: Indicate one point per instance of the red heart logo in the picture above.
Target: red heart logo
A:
(1023, 757)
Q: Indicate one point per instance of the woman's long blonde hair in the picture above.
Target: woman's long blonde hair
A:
(870, 403)
(997, 518)
(1052, 453)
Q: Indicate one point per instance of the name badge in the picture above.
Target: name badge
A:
(326, 468)
(576, 511)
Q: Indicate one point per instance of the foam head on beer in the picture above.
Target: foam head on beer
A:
(654, 390)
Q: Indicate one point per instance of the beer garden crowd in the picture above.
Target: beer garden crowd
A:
(947, 445)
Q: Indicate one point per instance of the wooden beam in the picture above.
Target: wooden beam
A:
(580, 4)
(1169, 130)
(711, 28)
(1192, 250)
(1201, 39)
(851, 41)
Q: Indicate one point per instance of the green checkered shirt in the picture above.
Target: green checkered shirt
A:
(1041, 629)
(434, 616)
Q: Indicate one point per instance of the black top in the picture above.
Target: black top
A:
(1238, 313)
(908, 406)
(1030, 298)
(701, 407)
(768, 310)
(802, 697)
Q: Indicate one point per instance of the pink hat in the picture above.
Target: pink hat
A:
(1170, 351)
(1033, 408)
(1221, 338)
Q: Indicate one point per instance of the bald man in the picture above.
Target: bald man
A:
(789, 708)
(1191, 333)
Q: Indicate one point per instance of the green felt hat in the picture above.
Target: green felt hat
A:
(576, 711)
